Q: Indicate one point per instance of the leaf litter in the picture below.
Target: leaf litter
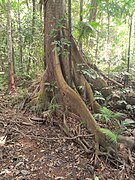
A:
(42, 151)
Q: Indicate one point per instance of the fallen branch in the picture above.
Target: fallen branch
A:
(61, 138)
(128, 141)
(94, 67)
(109, 79)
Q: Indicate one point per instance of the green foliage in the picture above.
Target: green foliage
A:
(59, 25)
(86, 29)
(118, 9)
(87, 71)
(32, 45)
(131, 108)
(110, 135)
(106, 44)
(107, 115)
(2, 82)
(111, 57)
(96, 178)
(127, 122)
(17, 99)
(122, 102)
(53, 105)
(99, 97)
(61, 46)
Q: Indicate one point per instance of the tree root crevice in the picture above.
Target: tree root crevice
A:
(79, 140)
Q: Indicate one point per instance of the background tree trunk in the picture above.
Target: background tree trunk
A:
(31, 39)
(93, 11)
(70, 31)
(20, 36)
(11, 82)
(44, 59)
(81, 19)
(129, 49)
(33, 18)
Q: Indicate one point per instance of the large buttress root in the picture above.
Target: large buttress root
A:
(95, 107)
(72, 100)
(78, 59)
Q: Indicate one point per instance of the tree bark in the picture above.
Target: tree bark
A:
(44, 59)
(93, 11)
(31, 39)
(33, 18)
(20, 36)
(66, 96)
(11, 82)
(70, 31)
(55, 84)
(81, 19)
(129, 49)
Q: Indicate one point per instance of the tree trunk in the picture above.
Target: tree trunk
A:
(55, 85)
(41, 8)
(108, 40)
(81, 19)
(44, 59)
(11, 82)
(33, 18)
(31, 39)
(20, 36)
(70, 31)
(129, 49)
(93, 11)
(27, 4)
(56, 72)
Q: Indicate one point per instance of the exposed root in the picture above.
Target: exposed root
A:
(93, 66)
(37, 100)
(30, 98)
(72, 100)
(89, 94)
(77, 140)
(78, 59)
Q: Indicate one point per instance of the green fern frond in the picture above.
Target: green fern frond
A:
(106, 112)
(110, 135)
(118, 115)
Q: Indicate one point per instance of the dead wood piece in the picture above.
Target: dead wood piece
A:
(61, 138)
(29, 98)
(35, 84)
(26, 124)
(93, 66)
(130, 98)
(38, 120)
(128, 141)
(111, 80)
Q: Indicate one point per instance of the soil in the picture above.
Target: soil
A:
(41, 151)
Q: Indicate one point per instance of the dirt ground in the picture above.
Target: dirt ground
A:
(41, 151)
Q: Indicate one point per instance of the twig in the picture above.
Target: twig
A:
(19, 131)
(61, 138)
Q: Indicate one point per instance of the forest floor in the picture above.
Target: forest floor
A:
(33, 151)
